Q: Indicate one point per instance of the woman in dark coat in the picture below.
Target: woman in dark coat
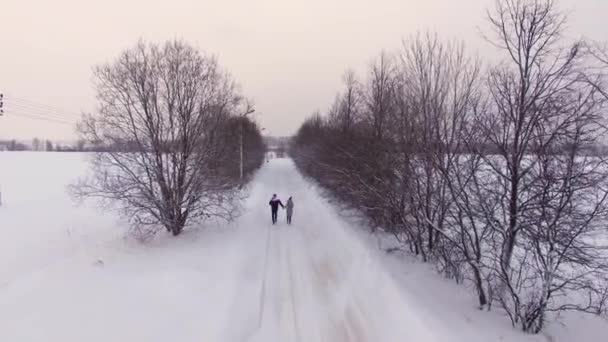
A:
(289, 207)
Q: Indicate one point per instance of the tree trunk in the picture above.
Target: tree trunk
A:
(479, 287)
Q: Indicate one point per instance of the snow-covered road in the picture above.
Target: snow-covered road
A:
(317, 281)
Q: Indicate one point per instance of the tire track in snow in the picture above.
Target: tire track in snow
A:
(265, 276)
(265, 298)
(332, 285)
(292, 286)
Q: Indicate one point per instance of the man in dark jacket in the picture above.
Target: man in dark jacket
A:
(274, 207)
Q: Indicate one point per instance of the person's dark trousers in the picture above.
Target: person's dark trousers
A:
(274, 216)
(288, 219)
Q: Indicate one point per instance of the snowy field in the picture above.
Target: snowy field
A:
(68, 273)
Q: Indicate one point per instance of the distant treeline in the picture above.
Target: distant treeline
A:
(43, 146)
(40, 145)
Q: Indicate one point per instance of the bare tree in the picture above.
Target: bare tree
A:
(438, 92)
(36, 144)
(14, 145)
(528, 31)
(80, 144)
(161, 112)
(599, 53)
(378, 93)
(543, 112)
(346, 110)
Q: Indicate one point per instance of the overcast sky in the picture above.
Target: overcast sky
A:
(287, 55)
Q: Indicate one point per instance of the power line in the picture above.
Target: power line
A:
(13, 102)
(30, 110)
(34, 104)
(38, 117)
(38, 110)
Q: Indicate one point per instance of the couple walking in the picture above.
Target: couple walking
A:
(275, 202)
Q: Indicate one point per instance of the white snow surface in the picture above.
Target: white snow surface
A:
(69, 273)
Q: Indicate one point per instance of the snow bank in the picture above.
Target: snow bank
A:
(68, 273)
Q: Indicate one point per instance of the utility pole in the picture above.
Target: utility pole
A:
(1, 114)
(241, 149)
(248, 111)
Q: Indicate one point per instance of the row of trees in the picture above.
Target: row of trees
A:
(490, 172)
(40, 145)
(36, 145)
(170, 122)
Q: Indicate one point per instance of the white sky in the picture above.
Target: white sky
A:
(287, 55)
